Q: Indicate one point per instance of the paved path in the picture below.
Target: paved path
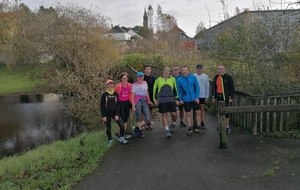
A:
(196, 162)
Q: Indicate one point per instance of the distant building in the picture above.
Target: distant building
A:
(145, 19)
(134, 34)
(288, 18)
(118, 33)
(188, 44)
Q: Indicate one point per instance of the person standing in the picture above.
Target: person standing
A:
(223, 90)
(124, 90)
(188, 93)
(176, 74)
(150, 79)
(140, 102)
(166, 99)
(203, 82)
(109, 108)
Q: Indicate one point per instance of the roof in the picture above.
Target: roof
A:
(116, 29)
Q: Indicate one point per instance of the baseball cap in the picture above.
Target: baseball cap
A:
(139, 74)
(109, 81)
(199, 66)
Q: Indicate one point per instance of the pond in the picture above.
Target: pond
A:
(27, 121)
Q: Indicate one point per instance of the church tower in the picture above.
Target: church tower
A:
(145, 19)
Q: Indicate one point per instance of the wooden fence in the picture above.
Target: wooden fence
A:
(254, 119)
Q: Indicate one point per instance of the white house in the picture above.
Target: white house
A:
(118, 33)
(134, 34)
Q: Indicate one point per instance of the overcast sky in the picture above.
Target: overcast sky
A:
(188, 13)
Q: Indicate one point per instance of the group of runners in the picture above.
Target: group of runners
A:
(181, 89)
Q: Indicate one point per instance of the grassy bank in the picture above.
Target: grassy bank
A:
(17, 81)
(59, 165)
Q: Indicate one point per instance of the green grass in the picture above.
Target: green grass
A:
(16, 81)
(269, 172)
(59, 165)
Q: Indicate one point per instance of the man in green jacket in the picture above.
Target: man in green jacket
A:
(166, 99)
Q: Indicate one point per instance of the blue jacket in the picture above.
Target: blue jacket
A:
(188, 88)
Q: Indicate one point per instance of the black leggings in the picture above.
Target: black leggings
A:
(124, 110)
(108, 126)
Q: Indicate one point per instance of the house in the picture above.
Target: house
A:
(133, 34)
(188, 43)
(288, 18)
(118, 33)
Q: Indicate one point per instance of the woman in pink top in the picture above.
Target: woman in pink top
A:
(124, 90)
(141, 100)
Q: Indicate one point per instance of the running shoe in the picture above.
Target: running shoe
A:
(198, 129)
(172, 128)
(127, 136)
(203, 125)
(142, 135)
(123, 140)
(109, 143)
(117, 136)
(189, 131)
(168, 134)
(228, 130)
(135, 131)
(182, 124)
(148, 127)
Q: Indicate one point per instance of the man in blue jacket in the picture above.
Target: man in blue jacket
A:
(188, 95)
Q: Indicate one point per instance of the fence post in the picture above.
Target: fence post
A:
(222, 126)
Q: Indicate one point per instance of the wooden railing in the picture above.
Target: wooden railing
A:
(257, 121)
(222, 111)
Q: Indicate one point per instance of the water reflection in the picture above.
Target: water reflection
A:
(28, 121)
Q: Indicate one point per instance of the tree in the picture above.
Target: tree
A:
(70, 40)
(200, 27)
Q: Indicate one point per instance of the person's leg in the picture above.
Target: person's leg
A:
(140, 121)
(163, 109)
(164, 119)
(172, 109)
(196, 107)
(181, 114)
(108, 130)
(122, 116)
(227, 118)
(121, 126)
(126, 114)
(187, 109)
(202, 103)
(198, 128)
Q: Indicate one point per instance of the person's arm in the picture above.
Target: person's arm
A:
(175, 92)
(197, 90)
(154, 91)
(102, 105)
(117, 104)
(117, 89)
(133, 103)
(214, 88)
(231, 88)
(130, 93)
(147, 95)
(180, 97)
(207, 88)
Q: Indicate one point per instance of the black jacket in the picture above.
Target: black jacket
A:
(228, 87)
(109, 105)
